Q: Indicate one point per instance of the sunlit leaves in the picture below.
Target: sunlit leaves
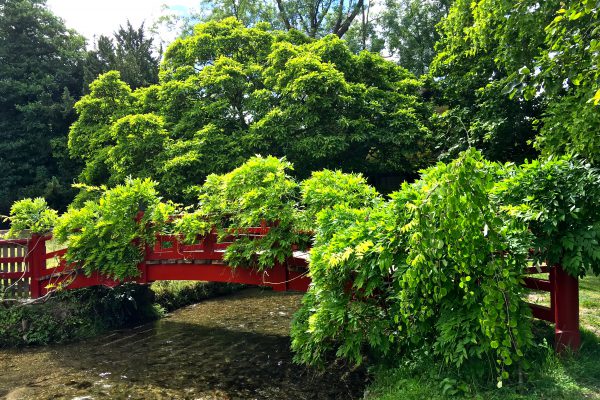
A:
(108, 235)
(29, 216)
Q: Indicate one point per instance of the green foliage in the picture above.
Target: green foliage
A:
(108, 235)
(409, 31)
(436, 272)
(326, 189)
(339, 110)
(136, 139)
(567, 72)
(258, 193)
(32, 215)
(75, 314)
(315, 18)
(171, 295)
(475, 63)
(131, 53)
(347, 308)
(227, 92)
(546, 90)
(90, 136)
(438, 267)
(461, 285)
(558, 200)
(551, 377)
(41, 72)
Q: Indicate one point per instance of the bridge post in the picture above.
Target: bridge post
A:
(279, 277)
(566, 309)
(36, 260)
(143, 267)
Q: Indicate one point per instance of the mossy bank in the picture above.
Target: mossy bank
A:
(83, 313)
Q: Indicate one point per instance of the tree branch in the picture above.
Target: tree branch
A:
(338, 20)
(349, 18)
(283, 16)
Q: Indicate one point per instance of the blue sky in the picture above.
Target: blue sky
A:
(93, 17)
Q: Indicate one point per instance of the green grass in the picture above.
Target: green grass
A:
(171, 295)
(572, 377)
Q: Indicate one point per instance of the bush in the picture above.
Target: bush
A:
(325, 189)
(558, 200)
(109, 235)
(259, 192)
(171, 295)
(436, 270)
(76, 314)
(31, 215)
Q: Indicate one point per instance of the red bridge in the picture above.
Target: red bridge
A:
(28, 264)
(28, 270)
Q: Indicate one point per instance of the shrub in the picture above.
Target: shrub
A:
(259, 192)
(437, 269)
(347, 308)
(31, 215)
(75, 314)
(558, 200)
(325, 189)
(110, 234)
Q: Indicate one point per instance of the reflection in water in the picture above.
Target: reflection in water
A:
(234, 347)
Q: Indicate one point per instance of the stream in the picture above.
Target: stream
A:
(231, 347)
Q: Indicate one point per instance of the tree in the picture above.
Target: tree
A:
(409, 29)
(229, 92)
(131, 53)
(545, 90)
(315, 18)
(475, 62)
(41, 75)
(567, 74)
(247, 11)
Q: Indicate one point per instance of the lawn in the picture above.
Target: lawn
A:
(573, 376)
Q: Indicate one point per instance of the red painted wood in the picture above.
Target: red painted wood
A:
(566, 310)
(12, 260)
(205, 272)
(277, 277)
(36, 250)
(57, 253)
(197, 255)
(14, 241)
(542, 312)
(14, 275)
(76, 280)
(298, 281)
(538, 284)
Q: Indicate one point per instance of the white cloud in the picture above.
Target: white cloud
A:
(93, 18)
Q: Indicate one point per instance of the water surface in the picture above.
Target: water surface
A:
(232, 347)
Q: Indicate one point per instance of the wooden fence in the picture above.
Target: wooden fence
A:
(15, 279)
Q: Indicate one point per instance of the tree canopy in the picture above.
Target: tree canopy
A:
(228, 92)
(131, 52)
(514, 100)
(40, 76)
(315, 18)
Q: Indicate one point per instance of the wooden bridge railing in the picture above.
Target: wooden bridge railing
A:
(564, 304)
(25, 271)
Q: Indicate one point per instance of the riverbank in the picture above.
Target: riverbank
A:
(84, 313)
(573, 377)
